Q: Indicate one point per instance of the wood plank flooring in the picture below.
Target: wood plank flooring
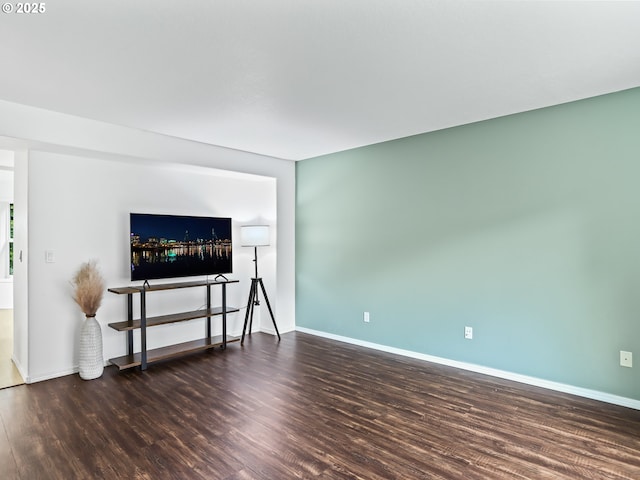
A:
(309, 408)
(9, 375)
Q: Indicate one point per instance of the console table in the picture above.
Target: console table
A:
(145, 357)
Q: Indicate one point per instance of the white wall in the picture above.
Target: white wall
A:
(20, 265)
(6, 282)
(79, 209)
(74, 143)
(6, 185)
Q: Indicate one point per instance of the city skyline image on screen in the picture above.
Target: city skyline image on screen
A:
(169, 246)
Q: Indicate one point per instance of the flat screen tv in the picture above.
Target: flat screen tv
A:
(169, 246)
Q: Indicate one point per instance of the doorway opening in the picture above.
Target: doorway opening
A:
(9, 375)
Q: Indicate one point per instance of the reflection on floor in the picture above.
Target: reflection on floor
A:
(9, 375)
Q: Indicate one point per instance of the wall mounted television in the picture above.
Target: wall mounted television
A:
(170, 246)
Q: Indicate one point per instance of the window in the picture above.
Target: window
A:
(6, 240)
(10, 239)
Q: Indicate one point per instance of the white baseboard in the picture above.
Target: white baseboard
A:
(537, 382)
(50, 376)
(63, 373)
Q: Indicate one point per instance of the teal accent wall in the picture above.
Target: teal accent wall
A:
(526, 228)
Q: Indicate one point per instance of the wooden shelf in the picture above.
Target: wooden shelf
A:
(171, 351)
(132, 359)
(124, 290)
(166, 286)
(171, 318)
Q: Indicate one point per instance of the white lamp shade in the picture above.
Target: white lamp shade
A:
(254, 235)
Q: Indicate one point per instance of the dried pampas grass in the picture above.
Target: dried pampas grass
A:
(89, 288)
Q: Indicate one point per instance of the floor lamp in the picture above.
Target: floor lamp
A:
(255, 236)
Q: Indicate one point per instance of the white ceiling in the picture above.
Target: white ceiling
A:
(301, 78)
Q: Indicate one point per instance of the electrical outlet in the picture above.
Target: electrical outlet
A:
(626, 359)
(468, 333)
(366, 317)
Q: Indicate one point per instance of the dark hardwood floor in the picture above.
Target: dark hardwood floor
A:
(312, 408)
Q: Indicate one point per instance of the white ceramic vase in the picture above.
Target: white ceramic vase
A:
(91, 362)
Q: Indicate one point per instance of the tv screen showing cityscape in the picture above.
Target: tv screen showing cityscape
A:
(168, 246)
